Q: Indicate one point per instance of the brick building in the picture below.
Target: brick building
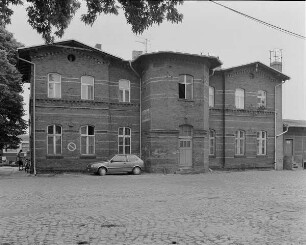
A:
(174, 110)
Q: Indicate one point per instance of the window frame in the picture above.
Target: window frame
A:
(86, 85)
(240, 98)
(54, 83)
(185, 85)
(260, 140)
(124, 136)
(238, 144)
(87, 136)
(211, 102)
(213, 138)
(265, 98)
(54, 135)
(124, 90)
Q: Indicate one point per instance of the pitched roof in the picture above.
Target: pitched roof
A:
(276, 72)
(295, 123)
(68, 44)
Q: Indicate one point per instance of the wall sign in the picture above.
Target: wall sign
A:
(71, 146)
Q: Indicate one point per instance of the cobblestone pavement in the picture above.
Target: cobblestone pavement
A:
(251, 207)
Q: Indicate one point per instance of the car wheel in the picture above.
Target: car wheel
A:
(136, 170)
(102, 171)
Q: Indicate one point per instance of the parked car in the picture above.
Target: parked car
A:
(119, 163)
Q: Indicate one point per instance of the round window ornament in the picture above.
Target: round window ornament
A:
(71, 57)
(71, 146)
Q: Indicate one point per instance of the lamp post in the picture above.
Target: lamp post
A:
(33, 121)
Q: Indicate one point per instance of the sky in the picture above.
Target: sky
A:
(206, 28)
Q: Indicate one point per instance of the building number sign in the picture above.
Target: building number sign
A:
(71, 146)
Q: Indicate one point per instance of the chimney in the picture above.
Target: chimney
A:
(135, 54)
(98, 46)
(276, 59)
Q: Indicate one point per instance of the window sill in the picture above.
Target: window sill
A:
(186, 100)
(261, 156)
(240, 156)
(88, 157)
(54, 157)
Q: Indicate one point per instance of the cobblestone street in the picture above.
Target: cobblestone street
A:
(250, 207)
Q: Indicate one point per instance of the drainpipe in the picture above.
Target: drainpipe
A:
(33, 123)
(275, 114)
(137, 74)
(287, 128)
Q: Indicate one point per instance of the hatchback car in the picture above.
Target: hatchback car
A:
(119, 163)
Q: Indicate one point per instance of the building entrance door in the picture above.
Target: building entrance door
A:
(288, 156)
(185, 153)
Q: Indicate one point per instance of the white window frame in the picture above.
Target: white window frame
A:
(212, 138)
(54, 135)
(262, 95)
(186, 84)
(239, 98)
(87, 136)
(85, 86)
(124, 99)
(211, 97)
(55, 84)
(240, 143)
(124, 136)
(261, 143)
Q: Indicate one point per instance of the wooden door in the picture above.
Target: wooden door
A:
(185, 153)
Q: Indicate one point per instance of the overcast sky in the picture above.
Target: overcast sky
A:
(208, 29)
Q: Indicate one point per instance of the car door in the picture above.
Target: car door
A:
(132, 161)
(117, 164)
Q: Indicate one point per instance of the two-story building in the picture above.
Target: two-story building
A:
(175, 110)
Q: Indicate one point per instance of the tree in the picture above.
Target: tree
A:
(51, 17)
(11, 102)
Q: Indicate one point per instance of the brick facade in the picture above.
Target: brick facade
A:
(156, 115)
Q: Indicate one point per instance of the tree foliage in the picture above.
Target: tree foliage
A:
(50, 18)
(11, 102)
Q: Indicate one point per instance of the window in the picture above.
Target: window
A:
(261, 98)
(119, 158)
(54, 85)
(54, 140)
(239, 98)
(239, 143)
(87, 140)
(212, 142)
(124, 141)
(185, 87)
(211, 96)
(124, 91)
(261, 143)
(87, 88)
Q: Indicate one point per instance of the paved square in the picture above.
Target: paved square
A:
(251, 207)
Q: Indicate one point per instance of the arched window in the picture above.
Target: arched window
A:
(261, 143)
(185, 87)
(240, 142)
(54, 85)
(54, 140)
(124, 140)
(87, 88)
(239, 98)
(212, 142)
(261, 98)
(211, 96)
(87, 140)
(124, 90)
